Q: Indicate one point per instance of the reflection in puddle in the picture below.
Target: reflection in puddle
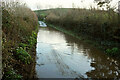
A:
(62, 56)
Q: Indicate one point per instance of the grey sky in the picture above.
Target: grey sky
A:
(45, 4)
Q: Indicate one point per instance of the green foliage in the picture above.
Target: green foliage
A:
(12, 75)
(113, 52)
(23, 45)
(33, 39)
(34, 34)
(23, 55)
(21, 52)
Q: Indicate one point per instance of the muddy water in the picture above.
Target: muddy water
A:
(62, 56)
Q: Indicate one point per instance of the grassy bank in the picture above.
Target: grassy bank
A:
(99, 26)
(19, 34)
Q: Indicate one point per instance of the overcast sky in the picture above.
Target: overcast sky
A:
(45, 4)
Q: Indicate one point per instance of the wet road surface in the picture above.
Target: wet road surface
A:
(62, 56)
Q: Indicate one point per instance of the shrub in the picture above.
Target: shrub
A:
(18, 22)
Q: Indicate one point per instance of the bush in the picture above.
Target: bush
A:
(18, 22)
